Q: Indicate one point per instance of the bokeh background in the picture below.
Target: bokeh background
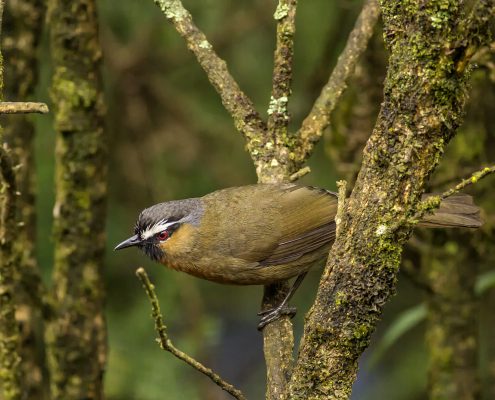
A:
(170, 138)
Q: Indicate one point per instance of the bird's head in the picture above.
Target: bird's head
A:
(156, 225)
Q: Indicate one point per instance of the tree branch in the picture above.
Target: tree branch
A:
(20, 40)
(319, 117)
(76, 337)
(278, 114)
(10, 361)
(241, 108)
(20, 107)
(167, 345)
(10, 364)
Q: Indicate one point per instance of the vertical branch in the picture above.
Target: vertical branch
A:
(21, 34)
(10, 371)
(278, 114)
(278, 343)
(76, 335)
(278, 337)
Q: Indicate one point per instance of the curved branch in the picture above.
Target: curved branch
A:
(167, 345)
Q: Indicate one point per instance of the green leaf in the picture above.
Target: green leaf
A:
(484, 282)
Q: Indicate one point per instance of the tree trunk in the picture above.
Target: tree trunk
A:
(76, 334)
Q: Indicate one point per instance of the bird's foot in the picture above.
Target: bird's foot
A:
(268, 316)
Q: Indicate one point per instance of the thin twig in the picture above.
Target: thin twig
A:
(166, 343)
(246, 118)
(299, 174)
(21, 107)
(278, 114)
(342, 186)
(433, 202)
(319, 118)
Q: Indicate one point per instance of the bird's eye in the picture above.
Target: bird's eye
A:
(163, 235)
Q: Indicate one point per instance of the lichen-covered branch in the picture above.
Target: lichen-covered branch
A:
(278, 343)
(19, 107)
(246, 118)
(76, 333)
(20, 39)
(278, 113)
(167, 345)
(10, 370)
(424, 97)
(319, 117)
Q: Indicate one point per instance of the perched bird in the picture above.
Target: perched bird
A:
(257, 234)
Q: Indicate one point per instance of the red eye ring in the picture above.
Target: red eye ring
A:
(163, 235)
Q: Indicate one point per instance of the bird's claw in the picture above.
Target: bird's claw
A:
(271, 315)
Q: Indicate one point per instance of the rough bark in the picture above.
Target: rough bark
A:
(22, 31)
(11, 378)
(76, 333)
(10, 371)
(425, 89)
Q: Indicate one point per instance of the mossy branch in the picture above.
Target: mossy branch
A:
(20, 107)
(241, 108)
(76, 334)
(319, 117)
(10, 361)
(278, 113)
(167, 345)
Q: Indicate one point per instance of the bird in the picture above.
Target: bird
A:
(258, 234)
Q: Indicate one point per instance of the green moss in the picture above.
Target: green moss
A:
(340, 299)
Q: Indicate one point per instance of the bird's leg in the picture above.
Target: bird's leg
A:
(268, 316)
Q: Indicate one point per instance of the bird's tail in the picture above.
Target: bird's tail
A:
(457, 211)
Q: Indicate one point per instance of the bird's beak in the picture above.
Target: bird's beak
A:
(132, 241)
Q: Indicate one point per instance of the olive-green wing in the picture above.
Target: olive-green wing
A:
(307, 219)
(268, 224)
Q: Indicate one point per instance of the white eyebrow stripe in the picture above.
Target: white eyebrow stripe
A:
(156, 228)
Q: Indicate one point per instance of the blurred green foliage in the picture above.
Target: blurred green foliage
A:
(170, 138)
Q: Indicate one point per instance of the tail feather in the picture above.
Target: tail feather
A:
(457, 211)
